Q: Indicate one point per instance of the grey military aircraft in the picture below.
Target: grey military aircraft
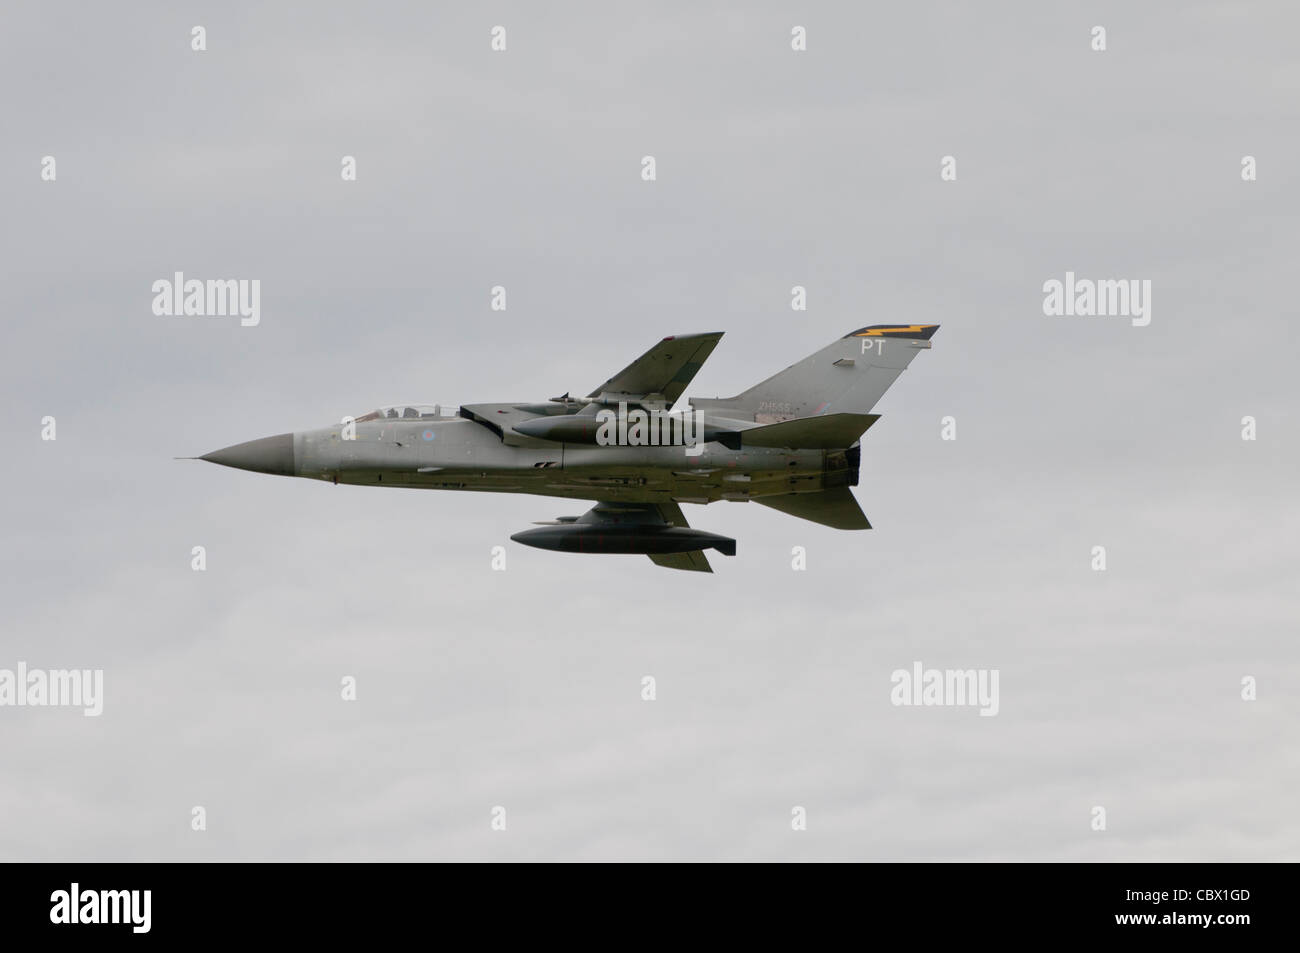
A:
(790, 442)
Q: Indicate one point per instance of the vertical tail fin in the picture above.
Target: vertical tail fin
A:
(847, 376)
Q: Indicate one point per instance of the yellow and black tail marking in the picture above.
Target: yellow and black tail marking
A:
(921, 331)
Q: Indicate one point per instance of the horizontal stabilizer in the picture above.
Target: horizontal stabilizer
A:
(835, 508)
(828, 432)
(694, 561)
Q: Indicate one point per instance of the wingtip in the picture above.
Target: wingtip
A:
(695, 334)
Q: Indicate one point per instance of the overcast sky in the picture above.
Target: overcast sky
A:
(478, 688)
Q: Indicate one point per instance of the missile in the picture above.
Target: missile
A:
(564, 429)
(571, 428)
(591, 538)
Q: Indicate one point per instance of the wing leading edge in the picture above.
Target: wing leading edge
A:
(667, 368)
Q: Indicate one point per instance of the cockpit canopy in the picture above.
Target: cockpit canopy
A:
(409, 412)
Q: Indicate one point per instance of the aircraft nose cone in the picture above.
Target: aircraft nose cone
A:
(267, 455)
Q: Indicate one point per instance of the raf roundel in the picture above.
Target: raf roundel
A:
(428, 435)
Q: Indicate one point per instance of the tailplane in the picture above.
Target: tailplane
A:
(836, 508)
(827, 432)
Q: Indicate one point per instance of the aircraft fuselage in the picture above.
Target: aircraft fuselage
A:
(463, 454)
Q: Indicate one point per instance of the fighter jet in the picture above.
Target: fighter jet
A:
(790, 442)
